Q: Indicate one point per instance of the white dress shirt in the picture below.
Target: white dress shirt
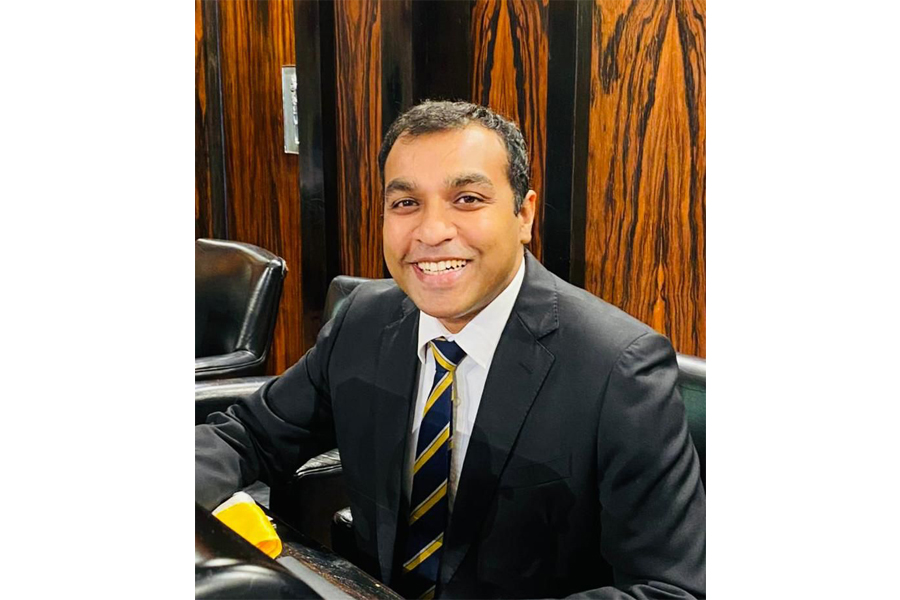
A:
(478, 339)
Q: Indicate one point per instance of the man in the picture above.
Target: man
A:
(502, 433)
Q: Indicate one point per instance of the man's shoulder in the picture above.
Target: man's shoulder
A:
(585, 316)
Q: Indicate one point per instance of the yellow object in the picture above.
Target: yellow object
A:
(248, 520)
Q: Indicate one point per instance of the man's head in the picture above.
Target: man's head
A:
(431, 117)
(457, 207)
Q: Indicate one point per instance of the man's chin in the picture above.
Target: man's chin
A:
(436, 311)
(439, 310)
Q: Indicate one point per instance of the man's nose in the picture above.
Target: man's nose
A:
(436, 226)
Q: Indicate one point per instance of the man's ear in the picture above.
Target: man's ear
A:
(526, 216)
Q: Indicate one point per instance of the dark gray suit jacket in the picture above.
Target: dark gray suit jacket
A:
(580, 473)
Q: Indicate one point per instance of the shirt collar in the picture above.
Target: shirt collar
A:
(480, 336)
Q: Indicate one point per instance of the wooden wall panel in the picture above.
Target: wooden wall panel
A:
(358, 74)
(257, 38)
(645, 229)
(202, 212)
(209, 180)
(509, 65)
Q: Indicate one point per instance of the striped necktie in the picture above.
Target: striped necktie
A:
(431, 472)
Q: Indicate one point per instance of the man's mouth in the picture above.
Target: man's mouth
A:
(442, 266)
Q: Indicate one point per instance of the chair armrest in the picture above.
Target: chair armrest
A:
(239, 363)
(691, 369)
(342, 540)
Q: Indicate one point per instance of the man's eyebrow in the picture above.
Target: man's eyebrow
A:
(400, 185)
(465, 179)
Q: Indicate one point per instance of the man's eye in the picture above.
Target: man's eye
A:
(405, 203)
(470, 200)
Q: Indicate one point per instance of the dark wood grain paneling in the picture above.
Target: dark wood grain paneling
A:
(358, 120)
(645, 235)
(510, 54)
(257, 38)
(209, 180)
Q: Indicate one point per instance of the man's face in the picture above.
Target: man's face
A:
(452, 240)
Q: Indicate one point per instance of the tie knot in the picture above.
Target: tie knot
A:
(446, 354)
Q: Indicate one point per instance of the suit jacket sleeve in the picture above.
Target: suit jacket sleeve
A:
(653, 505)
(272, 434)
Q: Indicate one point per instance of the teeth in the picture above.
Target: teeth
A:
(441, 266)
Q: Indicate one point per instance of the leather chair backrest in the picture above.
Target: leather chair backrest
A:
(238, 290)
(338, 291)
(691, 371)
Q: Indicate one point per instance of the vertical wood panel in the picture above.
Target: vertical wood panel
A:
(257, 38)
(202, 212)
(209, 178)
(358, 122)
(645, 229)
(510, 54)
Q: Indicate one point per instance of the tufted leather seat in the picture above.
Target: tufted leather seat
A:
(237, 293)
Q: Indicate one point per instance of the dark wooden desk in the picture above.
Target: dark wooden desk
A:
(334, 569)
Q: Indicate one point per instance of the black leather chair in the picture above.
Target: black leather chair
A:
(237, 294)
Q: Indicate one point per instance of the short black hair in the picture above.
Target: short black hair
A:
(433, 116)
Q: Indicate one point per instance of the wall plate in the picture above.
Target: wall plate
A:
(289, 105)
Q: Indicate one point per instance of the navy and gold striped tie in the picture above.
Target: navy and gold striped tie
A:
(431, 472)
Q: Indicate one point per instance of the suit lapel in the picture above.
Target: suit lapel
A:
(395, 383)
(518, 370)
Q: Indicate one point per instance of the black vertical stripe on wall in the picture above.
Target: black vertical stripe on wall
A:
(584, 12)
(397, 73)
(568, 104)
(314, 58)
(215, 123)
(442, 50)
(329, 139)
(397, 77)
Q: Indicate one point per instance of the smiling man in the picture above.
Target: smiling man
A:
(453, 226)
(503, 434)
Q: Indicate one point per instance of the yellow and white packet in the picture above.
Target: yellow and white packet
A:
(242, 515)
